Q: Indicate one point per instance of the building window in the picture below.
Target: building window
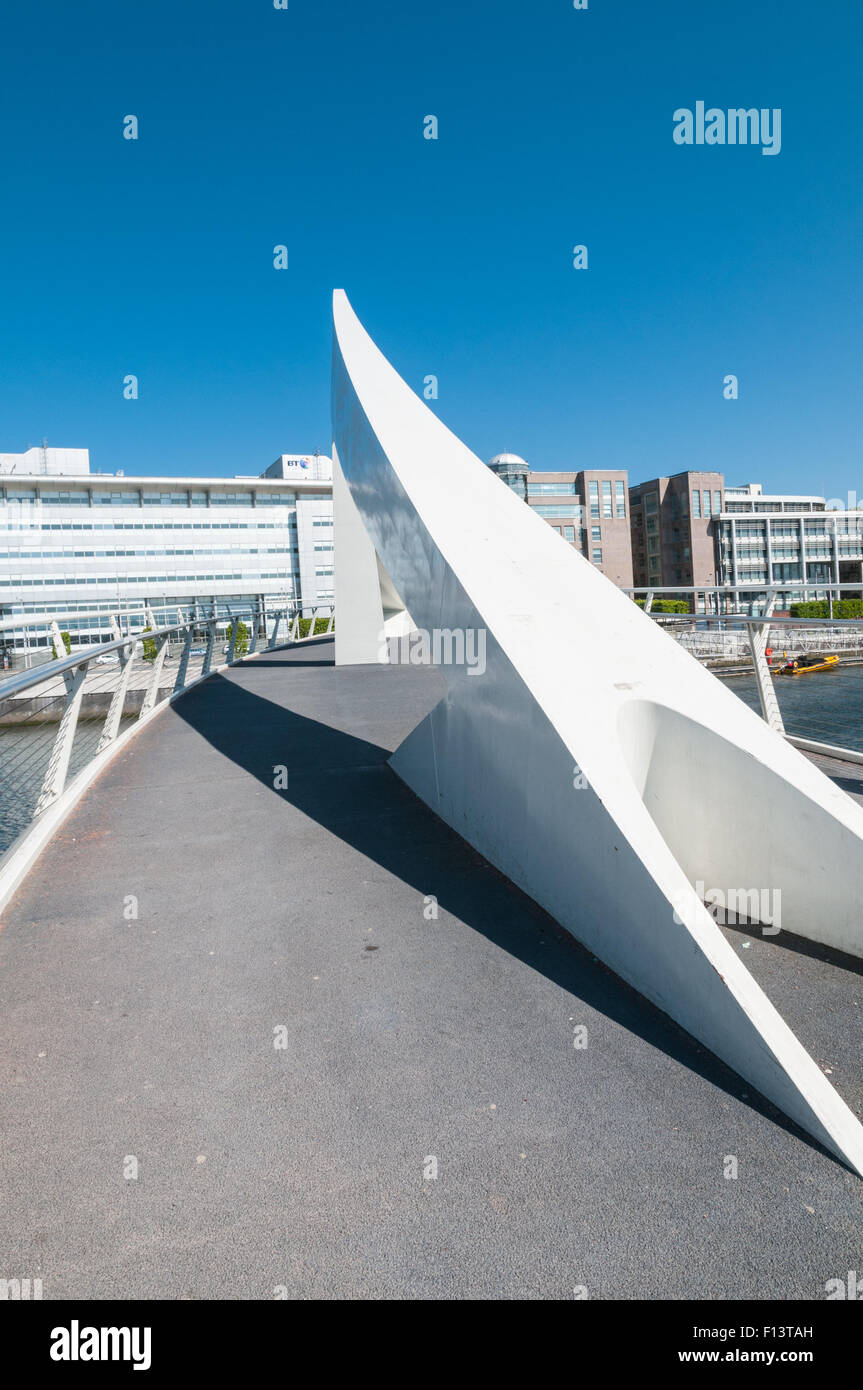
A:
(569, 533)
(67, 499)
(707, 502)
(596, 555)
(717, 502)
(129, 498)
(551, 489)
(606, 497)
(620, 498)
(696, 502)
(564, 511)
(166, 499)
(596, 533)
(229, 499)
(594, 498)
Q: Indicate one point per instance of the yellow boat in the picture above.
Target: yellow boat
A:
(802, 665)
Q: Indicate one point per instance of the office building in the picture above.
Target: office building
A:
(672, 530)
(75, 542)
(588, 508)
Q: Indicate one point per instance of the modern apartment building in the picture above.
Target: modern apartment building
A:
(673, 540)
(588, 508)
(76, 542)
(779, 539)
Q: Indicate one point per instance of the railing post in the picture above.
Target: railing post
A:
(184, 659)
(58, 763)
(332, 619)
(111, 726)
(758, 637)
(256, 623)
(57, 640)
(208, 654)
(153, 685)
(295, 626)
(276, 625)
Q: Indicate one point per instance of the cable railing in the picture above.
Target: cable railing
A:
(58, 716)
(734, 645)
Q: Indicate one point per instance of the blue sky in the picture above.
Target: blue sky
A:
(305, 127)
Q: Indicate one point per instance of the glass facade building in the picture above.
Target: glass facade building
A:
(81, 542)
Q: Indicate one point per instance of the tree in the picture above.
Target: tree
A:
(242, 643)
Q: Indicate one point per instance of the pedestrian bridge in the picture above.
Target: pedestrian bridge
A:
(302, 1041)
(277, 1025)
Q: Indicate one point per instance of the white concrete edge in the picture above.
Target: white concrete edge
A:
(19, 858)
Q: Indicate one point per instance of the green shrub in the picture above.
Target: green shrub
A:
(321, 625)
(842, 608)
(666, 605)
(149, 646)
(67, 643)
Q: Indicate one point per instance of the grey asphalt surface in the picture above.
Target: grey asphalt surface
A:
(303, 1169)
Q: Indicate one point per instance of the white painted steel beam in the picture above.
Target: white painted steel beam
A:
(680, 783)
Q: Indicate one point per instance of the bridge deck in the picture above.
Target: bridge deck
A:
(406, 1039)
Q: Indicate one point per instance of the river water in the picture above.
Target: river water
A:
(827, 706)
(24, 753)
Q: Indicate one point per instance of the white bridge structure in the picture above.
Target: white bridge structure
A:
(592, 760)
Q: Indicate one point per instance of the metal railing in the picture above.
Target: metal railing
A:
(26, 639)
(747, 598)
(55, 718)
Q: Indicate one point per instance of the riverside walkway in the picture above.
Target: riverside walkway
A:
(428, 1129)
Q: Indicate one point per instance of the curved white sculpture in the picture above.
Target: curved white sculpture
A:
(685, 785)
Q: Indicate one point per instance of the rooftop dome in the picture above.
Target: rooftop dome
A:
(511, 460)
